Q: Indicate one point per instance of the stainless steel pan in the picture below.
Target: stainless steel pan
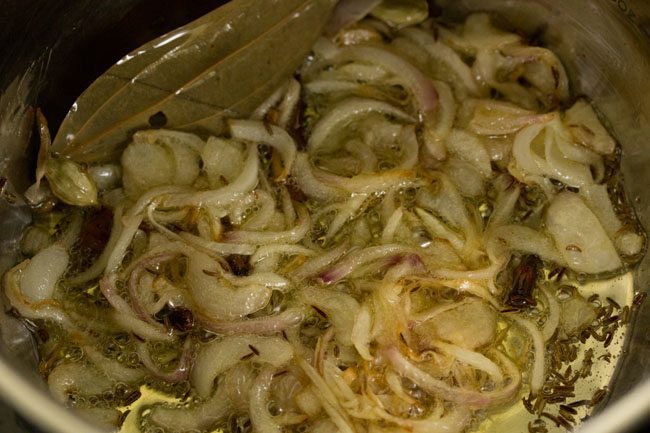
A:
(51, 50)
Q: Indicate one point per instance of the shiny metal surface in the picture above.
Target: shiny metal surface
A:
(605, 45)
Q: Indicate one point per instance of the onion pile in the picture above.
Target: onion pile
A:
(356, 257)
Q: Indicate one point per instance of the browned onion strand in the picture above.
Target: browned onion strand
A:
(350, 258)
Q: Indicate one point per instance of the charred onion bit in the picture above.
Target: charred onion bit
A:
(95, 231)
(239, 264)
(524, 279)
(181, 318)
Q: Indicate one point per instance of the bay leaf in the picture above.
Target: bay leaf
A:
(222, 65)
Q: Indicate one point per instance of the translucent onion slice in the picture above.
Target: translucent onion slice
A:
(439, 52)
(492, 117)
(268, 252)
(437, 228)
(466, 397)
(528, 160)
(345, 267)
(219, 298)
(257, 132)
(579, 236)
(319, 263)
(341, 310)
(203, 416)
(222, 159)
(413, 79)
(348, 12)
(538, 370)
(587, 130)
(472, 358)
(311, 185)
(125, 317)
(244, 183)
(504, 239)
(330, 403)
(219, 356)
(266, 325)
(47, 310)
(363, 324)
(211, 247)
(263, 237)
(178, 374)
(40, 277)
(346, 113)
(113, 369)
(552, 315)
(260, 392)
(73, 378)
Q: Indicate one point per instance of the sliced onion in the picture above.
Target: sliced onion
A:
(260, 417)
(597, 198)
(579, 236)
(134, 281)
(506, 201)
(366, 183)
(317, 264)
(111, 368)
(472, 358)
(179, 374)
(439, 388)
(467, 147)
(73, 377)
(367, 255)
(331, 86)
(537, 373)
(466, 177)
(272, 251)
(264, 215)
(562, 168)
(521, 238)
(213, 296)
(361, 329)
(244, 183)
(211, 247)
(587, 130)
(341, 310)
(345, 113)
(43, 272)
(293, 235)
(266, 325)
(47, 310)
(329, 401)
(438, 229)
(419, 85)
(439, 52)
(204, 416)
(410, 148)
(444, 199)
(271, 135)
(312, 186)
(345, 212)
(223, 160)
(348, 12)
(553, 314)
(528, 160)
(289, 103)
(130, 225)
(218, 356)
(127, 318)
(492, 117)
(391, 226)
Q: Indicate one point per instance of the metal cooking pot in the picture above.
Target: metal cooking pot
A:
(52, 50)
